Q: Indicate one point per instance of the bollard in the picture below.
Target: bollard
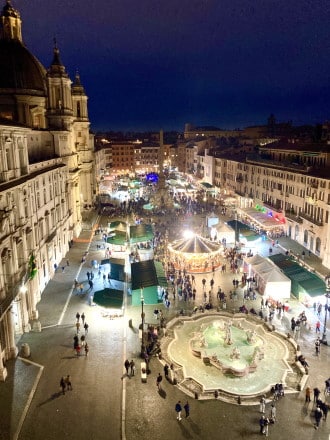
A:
(25, 350)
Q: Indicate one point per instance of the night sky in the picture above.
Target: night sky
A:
(151, 64)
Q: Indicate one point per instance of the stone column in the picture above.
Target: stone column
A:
(12, 349)
(3, 369)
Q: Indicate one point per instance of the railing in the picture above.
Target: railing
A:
(293, 216)
(273, 206)
(311, 219)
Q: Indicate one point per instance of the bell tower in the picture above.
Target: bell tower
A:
(11, 23)
(59, 111)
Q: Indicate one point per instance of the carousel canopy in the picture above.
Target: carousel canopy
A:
(196, 245)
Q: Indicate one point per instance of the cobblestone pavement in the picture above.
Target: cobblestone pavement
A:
(106, 404)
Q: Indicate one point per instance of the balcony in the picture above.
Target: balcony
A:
(293, 216)
(311, 219)
(274, 206)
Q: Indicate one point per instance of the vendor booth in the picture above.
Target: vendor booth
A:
(263, 219)
(307, 287)
(150, 276)
(270, 281)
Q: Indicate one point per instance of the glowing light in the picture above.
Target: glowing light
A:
(188, 234)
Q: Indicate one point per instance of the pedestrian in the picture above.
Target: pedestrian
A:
(266, 426)
(318, 417)
(262, 404)
(83, 317)
(262, 424)
(166, 369)
(63, 269)
(126, 364)
(178, 409)
(187, 409)
(78, 348)
(86, 326)
(67, 262)
(159, 381)
(308, 395)
(317, 346)
(78, 316)
(86, 349)
(88, 275)
(75, 341)
(272, 415)
(316, 393)
(78, 326)
(82, 340)
(68, 382)
(81, 288)
(318, 327)
(62, 385)
(132, 366)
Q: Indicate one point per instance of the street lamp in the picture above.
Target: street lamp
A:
(327, 295)
(143, 349)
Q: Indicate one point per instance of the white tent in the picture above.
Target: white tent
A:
(278, 286)
(225, 232)
(270, 280)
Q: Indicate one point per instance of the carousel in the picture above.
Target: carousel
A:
(195, 254)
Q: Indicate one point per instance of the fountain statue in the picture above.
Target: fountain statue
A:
(235, 354)
(228, 337)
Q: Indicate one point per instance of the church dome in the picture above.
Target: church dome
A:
(20, 71)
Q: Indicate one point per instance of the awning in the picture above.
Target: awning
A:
(146, 274)
(109, 298)
(141, 233)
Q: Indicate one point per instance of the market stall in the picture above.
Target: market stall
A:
(270, 281)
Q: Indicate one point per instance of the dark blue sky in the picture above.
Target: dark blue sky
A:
(151, 64)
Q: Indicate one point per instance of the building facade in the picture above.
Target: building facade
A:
(46, 177)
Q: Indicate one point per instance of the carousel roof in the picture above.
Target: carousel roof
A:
(196, 245)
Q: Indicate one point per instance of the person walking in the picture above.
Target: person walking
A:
(317, 346)
(308, 395)
(266, 426)
(86, 326)
(318, 417)
(272, 415)
(187, 409)
(77, 316)
(262, 405)
(318, 327)
(68, 382)
(159, 381)
(262, 424)
(132, 366)
(166, 369)
(178, 409)
(78, 348)
(83, 318)
(62, 385)
(317, 393)
(86, 349)
(78, 326)
(126, 365)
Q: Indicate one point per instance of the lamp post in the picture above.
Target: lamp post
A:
(143, 349)
(326, 307)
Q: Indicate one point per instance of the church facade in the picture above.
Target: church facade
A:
(46, 177)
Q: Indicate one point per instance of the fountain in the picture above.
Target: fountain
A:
(226, 354)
